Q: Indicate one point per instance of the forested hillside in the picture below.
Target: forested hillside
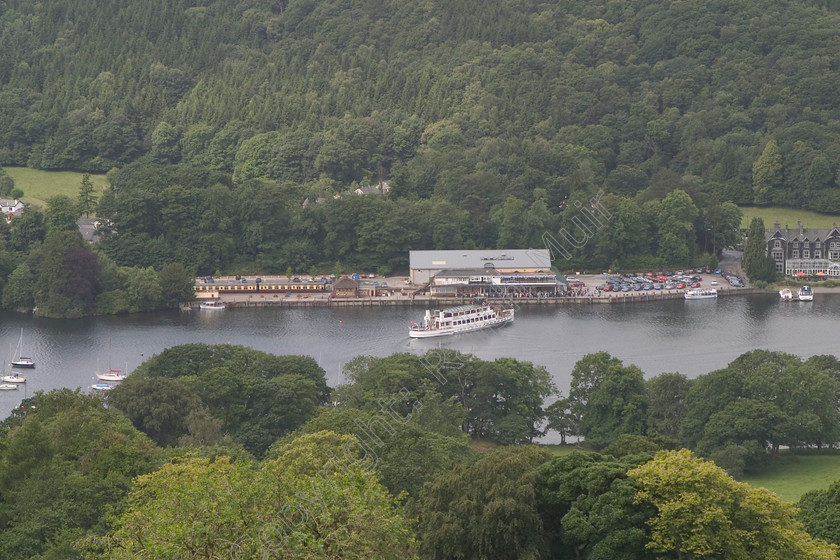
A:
(493, 123)
(537, 93)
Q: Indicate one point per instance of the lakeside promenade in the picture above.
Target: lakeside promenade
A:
(403, 294)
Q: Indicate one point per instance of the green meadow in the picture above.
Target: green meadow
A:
(790, 476)
(38, 186)
(789, 216)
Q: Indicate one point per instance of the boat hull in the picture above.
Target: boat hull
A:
(22, 363)
(460, 329)
(7, 387)
(110, 376)
(13, 379)
(701, 294)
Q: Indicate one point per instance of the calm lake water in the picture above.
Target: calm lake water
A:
(691, 337)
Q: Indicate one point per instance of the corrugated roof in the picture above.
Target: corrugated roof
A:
(484, 258)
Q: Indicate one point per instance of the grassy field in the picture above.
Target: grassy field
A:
(791, 476)
(787, 216)
(38, 186)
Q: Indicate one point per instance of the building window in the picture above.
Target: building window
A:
(817, 244)
(835, 245)
(806, 254)
(795, 254)
(778, 255)
(780, 267)
(834, 255)
(778, 244)
(796, 244)
(817, 254)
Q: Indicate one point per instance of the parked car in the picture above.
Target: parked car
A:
(681, 285)
(714, 282)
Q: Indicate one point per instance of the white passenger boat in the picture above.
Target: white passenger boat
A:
(13, 378)
(8, 386)
(213, 305)
(466, 318)
(785, 294)
(701, 293)
(806, 293)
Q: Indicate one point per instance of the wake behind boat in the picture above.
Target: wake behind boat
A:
(466, 318)
(701, 294)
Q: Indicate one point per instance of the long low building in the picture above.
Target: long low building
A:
(425, 265)
(492, 283)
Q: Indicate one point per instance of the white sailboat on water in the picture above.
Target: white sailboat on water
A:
(10, 377)
(21, 361)
(112, 374)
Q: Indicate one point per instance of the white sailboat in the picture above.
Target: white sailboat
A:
(21, 361)
(10, 377)
(112, 374)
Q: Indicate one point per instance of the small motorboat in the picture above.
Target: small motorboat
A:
(806, 293)
(785, 294)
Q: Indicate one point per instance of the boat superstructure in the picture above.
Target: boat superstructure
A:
(465, 318)
(698, 293)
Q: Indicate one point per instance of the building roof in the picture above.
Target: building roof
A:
(483, 258)
(800, 233)
(345, 283)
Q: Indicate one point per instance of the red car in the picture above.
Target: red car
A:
(681, 285)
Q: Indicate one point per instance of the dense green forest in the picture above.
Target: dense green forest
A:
(493, 125)
(227, 452)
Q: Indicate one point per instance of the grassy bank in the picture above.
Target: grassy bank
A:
(787, 216)
(790, 476)
(38, 186)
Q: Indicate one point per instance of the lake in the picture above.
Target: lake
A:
(691, 337)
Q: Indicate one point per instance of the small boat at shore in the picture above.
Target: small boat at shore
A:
(806, 293)
(214, 305)
(462, 319)
(699, 293)
(785, 294)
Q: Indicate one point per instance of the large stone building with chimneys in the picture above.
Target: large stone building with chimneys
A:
(804, 251)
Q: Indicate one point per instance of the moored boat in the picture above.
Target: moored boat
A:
(701, 293)
(21, 361)
(806, 293)
(214, 305)
(111, 375)
(8, 386)
(101, 387)
(455, 320)
(785, 294)
(13, 378)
